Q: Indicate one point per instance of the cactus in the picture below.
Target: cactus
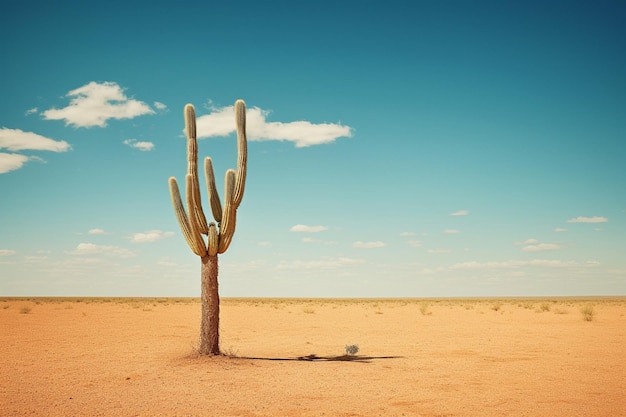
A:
(194, 225)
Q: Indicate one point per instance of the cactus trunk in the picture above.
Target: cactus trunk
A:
(209, 326)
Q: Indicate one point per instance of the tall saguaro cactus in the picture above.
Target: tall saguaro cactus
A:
(194, 225)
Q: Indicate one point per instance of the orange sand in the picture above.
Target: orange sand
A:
(121, 357)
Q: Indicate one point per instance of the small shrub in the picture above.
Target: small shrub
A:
(352, 350)
(588, 312)
(309, 310)
(544, 307)
(496, 306)
(424, 309)
(25, 310)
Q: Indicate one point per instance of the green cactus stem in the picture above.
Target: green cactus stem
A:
(193, 223)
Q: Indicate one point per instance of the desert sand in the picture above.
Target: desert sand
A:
(457, 357)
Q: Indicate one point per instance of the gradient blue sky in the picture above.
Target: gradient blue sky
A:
(446, 148)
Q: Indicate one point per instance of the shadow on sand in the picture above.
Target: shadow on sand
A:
(315, 358)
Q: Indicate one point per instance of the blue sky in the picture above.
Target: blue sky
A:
(400, 149)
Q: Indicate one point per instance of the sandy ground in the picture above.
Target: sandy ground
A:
(417, 358)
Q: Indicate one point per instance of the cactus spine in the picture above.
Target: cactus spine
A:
(193, 222)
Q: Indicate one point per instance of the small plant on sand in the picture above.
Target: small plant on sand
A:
(588, 312)
(496, 306)
(544, 307)
(25, 310)
(424, 309)
(352, 350)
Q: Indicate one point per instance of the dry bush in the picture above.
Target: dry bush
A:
(588, 312)
(25, 310)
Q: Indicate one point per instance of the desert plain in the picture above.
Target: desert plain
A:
(287, 357)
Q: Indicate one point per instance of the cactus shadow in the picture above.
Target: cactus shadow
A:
(316, 358)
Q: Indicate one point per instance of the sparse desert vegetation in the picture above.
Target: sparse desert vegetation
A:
(588, 312)
(414, 357)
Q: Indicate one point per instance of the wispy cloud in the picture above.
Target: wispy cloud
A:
(7, 252)
(31, 111)
(96, 231)
(303, 133)
(582, 219)
(308, 229)
(414, 243)
(150, 236)
(326, 263)
(323, 242)
(407, 234)
(142, 146)
(541, 247)
(95, 103)
(93, 249)
(547, 263)
(460, 213)
(560, 230)
(368, 245)
(160, 106)
(530, 241)
(18, 140)
(11, 162)
(451, 231)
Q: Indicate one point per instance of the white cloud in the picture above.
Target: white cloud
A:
(460, 213)
(95, 103)
(451, 231)
(368, 245)
(96, 232)
(326, 263)
(160, 106)
(31, 111)
(150, 236)
(308, 229)
(311, 240)
(512, 264)
(414, 243)
(142, 146)
(220, 122)
(7, 252)
(560, 230)
(541, 247)
(407, 234)
(93, 249)
(265, 243)
(582, 219)
(18, 140)
(527, 242)
(11, 162)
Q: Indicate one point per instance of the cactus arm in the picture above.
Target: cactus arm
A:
(194, 226)
(227, 228)
(214, 197)
(192, 168)
(183, 220)
(213, 240)
(242, 151)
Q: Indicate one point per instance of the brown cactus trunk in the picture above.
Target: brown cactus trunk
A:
(210, 323)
